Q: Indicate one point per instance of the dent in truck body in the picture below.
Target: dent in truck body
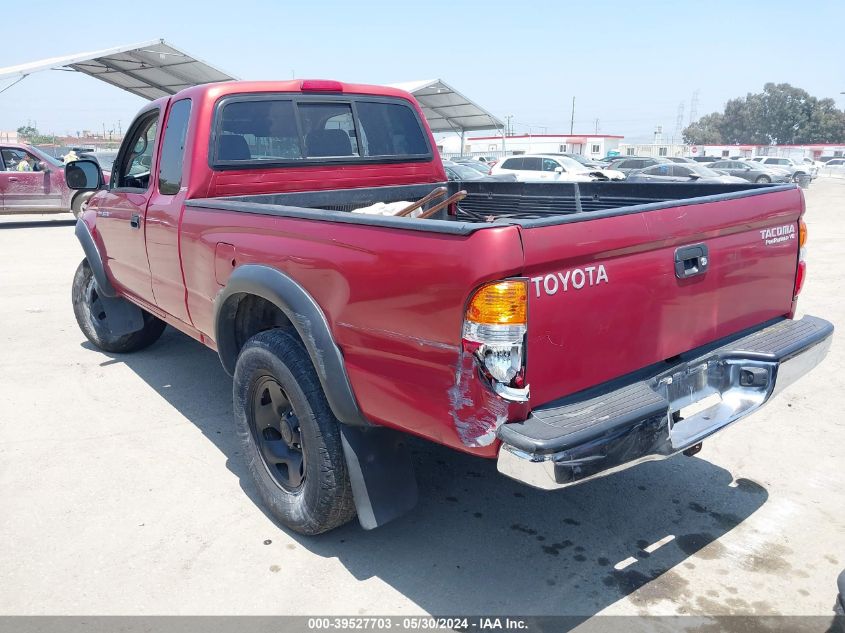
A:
(477, 415)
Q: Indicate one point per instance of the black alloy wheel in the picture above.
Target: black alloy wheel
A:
(275, 430)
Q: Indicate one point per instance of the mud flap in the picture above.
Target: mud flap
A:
(381, 472)
(122, 317)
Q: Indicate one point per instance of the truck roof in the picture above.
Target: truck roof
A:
(325, 86)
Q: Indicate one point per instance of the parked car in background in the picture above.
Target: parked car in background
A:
(706, 159)
(750, 171)
(477, 165)
(676, 172)
(681, 159)
(834, 167)
(545, 167)
(466, 173)
(635, 163)
(610, 160)
(796, 170)
(41, 189)
(588, 163)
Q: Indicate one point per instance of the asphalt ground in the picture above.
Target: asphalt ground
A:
(122, 490)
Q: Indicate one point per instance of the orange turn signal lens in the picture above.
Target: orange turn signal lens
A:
(802, 233)
(499, 303)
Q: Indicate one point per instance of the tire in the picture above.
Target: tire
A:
(797, 176)
(290, 437)
(93, 322)
(80, 203)
(762, 180)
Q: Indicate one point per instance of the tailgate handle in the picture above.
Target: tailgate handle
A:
(691, 261)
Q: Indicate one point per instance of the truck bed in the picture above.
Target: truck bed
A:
(490, 203)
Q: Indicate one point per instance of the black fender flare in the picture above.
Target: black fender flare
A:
(307, 318)
(83, 234)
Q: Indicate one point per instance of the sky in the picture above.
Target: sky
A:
(629, 65)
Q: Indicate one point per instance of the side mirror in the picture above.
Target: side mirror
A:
(694, 176)
(84, 175)
(558, 170)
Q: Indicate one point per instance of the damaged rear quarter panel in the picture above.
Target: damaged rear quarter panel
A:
(394, 300)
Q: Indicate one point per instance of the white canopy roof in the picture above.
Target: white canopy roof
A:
(150, 69)
(446, 109)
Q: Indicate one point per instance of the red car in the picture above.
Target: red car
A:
(42, 189)
(568, 330)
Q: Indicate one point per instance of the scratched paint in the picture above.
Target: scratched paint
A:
(476, 412)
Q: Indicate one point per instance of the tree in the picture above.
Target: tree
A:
(780, 114)
(33, 136)
(706, 131)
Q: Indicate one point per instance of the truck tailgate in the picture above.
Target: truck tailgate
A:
(605, 298)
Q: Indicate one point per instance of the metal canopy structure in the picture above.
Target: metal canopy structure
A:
(149, 70)
(447, 110)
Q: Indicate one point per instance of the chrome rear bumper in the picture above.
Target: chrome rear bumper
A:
(661, 411)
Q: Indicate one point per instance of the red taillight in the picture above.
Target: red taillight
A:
(800, 275)
(320, 85)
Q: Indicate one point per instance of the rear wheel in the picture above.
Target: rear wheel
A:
(290, 437)
(763, 180)
(92, 319)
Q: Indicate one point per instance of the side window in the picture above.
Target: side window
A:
(173, 148)
(662, 170)
(682, 171)
(532, 164)
(550, 165)
(19, 160)
(513, 163)
(133, 172)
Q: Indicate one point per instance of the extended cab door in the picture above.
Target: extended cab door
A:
(121, 211)
(27, 190)
(165, 211)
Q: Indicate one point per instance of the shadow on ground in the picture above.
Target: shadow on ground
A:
(481, 543)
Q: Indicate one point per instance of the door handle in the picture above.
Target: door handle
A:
(135, 221)
(691, 261)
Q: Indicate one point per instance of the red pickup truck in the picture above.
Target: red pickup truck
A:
(567, 329)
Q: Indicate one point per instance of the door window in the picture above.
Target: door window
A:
(12, 158)
(513, 163)
(137, 155)
(532, 164)
(550, 164)
(173, 148)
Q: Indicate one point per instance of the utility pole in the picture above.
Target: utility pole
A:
(597, 126)
(572, 120)
(508, 129)
(693, 108)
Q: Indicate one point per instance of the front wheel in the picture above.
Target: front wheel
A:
(93, 321)
(762, 180)
(80, 203)
(290, 437)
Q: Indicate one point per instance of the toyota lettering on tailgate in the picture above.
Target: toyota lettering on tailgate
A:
(576, 279)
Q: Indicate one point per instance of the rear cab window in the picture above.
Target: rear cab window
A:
(296, 130)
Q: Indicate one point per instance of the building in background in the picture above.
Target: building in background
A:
(589, 145)
(8, 137)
